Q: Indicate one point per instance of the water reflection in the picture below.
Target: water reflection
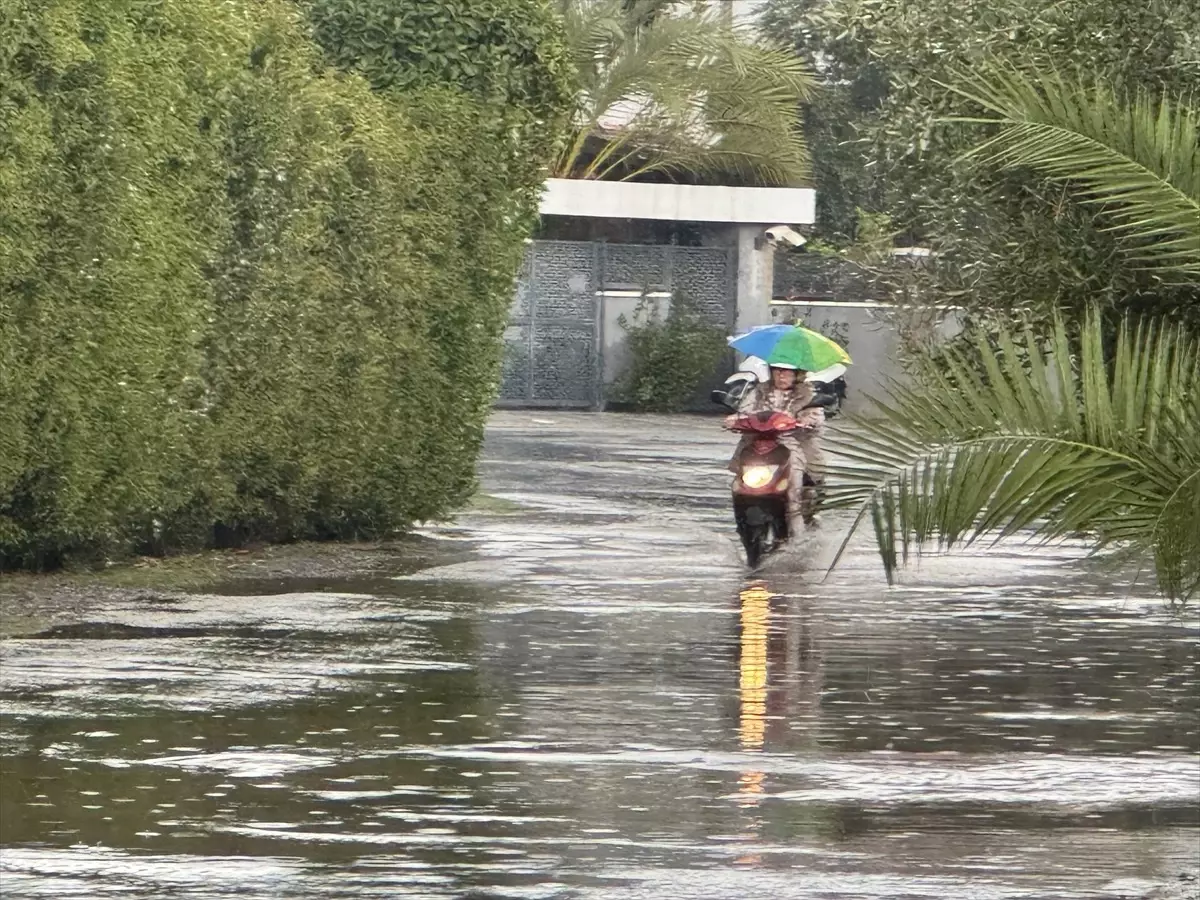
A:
(753, 678)
(755, 619)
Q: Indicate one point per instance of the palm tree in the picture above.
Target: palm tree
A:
(1076, 431)
(679, 92)
(1135, 161)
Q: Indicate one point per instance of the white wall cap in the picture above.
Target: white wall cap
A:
(678, 202)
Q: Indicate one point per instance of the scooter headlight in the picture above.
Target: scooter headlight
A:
(758, 476)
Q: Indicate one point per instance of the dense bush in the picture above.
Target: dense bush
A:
(671, 357)
(503, 50)
(241, 295)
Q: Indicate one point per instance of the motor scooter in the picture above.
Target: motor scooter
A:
(761, 482)
(762, 470)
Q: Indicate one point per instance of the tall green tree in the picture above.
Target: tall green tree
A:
(876, 124)
(678, 93)
(889, 141)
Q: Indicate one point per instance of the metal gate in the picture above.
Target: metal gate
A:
(554, 341)
(552, 345)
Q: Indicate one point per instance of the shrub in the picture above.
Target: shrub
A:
(241, 295)
(672, 357)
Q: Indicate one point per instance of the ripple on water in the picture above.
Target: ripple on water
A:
(585, 705)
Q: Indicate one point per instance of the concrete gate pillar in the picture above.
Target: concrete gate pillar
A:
(755, 277)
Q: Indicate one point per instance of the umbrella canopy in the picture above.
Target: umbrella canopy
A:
(791, 345)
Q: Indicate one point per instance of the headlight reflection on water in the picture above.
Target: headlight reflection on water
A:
(752, 699)
(752, 666)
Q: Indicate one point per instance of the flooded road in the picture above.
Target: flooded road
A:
(590, 699)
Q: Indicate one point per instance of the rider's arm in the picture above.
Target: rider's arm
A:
(810, 418)
(749, 403)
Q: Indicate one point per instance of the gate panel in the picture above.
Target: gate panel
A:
(565, 363)
(552, 345)
(708, 276)
(552, 353)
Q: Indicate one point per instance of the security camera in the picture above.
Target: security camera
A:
(789, 236)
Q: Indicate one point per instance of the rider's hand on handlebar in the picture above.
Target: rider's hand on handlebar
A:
(730, 420)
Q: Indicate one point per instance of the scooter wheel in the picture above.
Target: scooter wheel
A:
(756, 543)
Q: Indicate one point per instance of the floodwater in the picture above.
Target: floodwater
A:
(590, 699)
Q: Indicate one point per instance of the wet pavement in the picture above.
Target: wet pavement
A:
(591, 699)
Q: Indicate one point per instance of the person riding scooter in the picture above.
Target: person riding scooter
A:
(788, 392)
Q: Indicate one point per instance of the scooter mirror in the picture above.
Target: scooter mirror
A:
(721, 398)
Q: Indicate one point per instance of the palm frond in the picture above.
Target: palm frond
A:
(1176, 527)
(1136, 160)
(1049, 437)
(681, 92)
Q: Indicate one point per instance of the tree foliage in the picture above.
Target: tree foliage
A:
(507, 54)
(888, 138)
(241, 295)
(883, 67)
(680, 93)
(1136, 163)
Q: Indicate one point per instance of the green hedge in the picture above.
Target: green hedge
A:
(671, 358)
(243, 295)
